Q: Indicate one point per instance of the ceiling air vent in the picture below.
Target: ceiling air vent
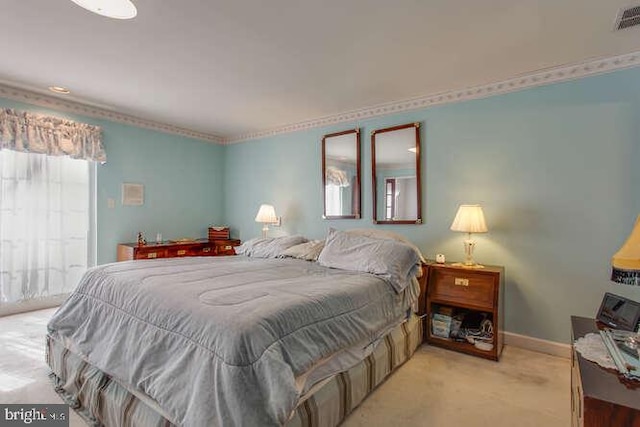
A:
(628, 18)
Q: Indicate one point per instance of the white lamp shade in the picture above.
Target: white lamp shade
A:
(469, 219)
(266, 214)
(117, 9)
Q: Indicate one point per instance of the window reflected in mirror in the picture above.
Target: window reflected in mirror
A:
(395, 159)
(341, 174)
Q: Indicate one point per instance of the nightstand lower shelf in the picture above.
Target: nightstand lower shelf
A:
(463, 347)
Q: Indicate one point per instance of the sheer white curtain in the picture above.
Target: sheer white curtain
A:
(333, 202)
(47, 224)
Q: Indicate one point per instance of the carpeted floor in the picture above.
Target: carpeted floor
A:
(436, 388)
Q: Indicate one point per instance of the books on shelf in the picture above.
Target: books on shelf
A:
(441, 325)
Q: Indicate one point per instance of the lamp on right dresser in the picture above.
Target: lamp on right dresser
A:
(469, 219)
(625, 264)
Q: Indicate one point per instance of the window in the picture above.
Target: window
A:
(333, 200)
(390, 199)
(47, 226)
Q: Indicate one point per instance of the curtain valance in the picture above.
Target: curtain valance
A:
(336, 177)
(37, 133)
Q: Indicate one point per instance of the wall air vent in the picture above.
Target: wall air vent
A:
(628, 18)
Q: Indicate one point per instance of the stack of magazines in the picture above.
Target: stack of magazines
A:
(623, 349)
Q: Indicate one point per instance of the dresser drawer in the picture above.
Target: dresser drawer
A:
(205, 250)
(151, 253)
(464, 287)
(225, 247)
(180, 250)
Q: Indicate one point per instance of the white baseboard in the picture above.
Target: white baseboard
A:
(536, 344)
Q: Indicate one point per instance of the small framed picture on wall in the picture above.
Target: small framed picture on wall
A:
(132, 194)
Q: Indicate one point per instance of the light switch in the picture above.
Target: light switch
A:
(111, 203)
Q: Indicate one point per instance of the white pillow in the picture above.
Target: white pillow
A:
(308, 251)
(269, 247)
(389, 259)
(389, 235)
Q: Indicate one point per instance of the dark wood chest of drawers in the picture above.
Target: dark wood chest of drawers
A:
(131, 251)
(598, 397)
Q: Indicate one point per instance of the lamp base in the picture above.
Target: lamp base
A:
(463, 265)
(469, 246)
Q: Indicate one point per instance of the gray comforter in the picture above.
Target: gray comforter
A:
(219, 341)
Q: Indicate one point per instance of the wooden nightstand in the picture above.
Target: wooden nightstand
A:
(469, 293)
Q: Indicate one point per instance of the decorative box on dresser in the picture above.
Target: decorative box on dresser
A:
(598, 397)
(459, 289)
(131, 251)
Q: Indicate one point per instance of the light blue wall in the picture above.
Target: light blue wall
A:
(181, 177)
(556, 169)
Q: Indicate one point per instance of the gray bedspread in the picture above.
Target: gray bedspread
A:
(219, 341)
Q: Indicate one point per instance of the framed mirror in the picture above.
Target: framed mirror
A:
(341, 175)
(395, 171)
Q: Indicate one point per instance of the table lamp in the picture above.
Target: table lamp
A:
(625, 264)
(266, 215)
(469, 219)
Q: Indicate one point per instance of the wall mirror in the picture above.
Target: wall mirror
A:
(395, 170)
(341, 174)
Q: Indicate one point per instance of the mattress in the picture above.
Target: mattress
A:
(102, 400)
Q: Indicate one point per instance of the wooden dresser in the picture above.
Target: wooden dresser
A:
(598, 397)
(204, 247)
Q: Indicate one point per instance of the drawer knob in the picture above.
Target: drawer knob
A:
(228, 247)
(460, 281)
(206, 249)
(182, 252)
(152, 255)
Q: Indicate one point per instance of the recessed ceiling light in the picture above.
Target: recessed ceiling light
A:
(59, 89)
(117, 9)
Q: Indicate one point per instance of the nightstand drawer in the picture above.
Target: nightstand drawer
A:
(465, 287)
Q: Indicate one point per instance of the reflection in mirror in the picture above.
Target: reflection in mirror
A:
(395, 170)
(341, 174)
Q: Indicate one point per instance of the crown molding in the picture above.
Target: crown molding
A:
(47, 101)
(526, 81)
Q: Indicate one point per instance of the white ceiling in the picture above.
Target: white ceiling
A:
(234, 67)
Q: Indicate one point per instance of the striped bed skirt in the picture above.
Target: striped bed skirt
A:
(102, 401)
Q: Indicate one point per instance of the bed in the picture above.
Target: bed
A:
(290, 332)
